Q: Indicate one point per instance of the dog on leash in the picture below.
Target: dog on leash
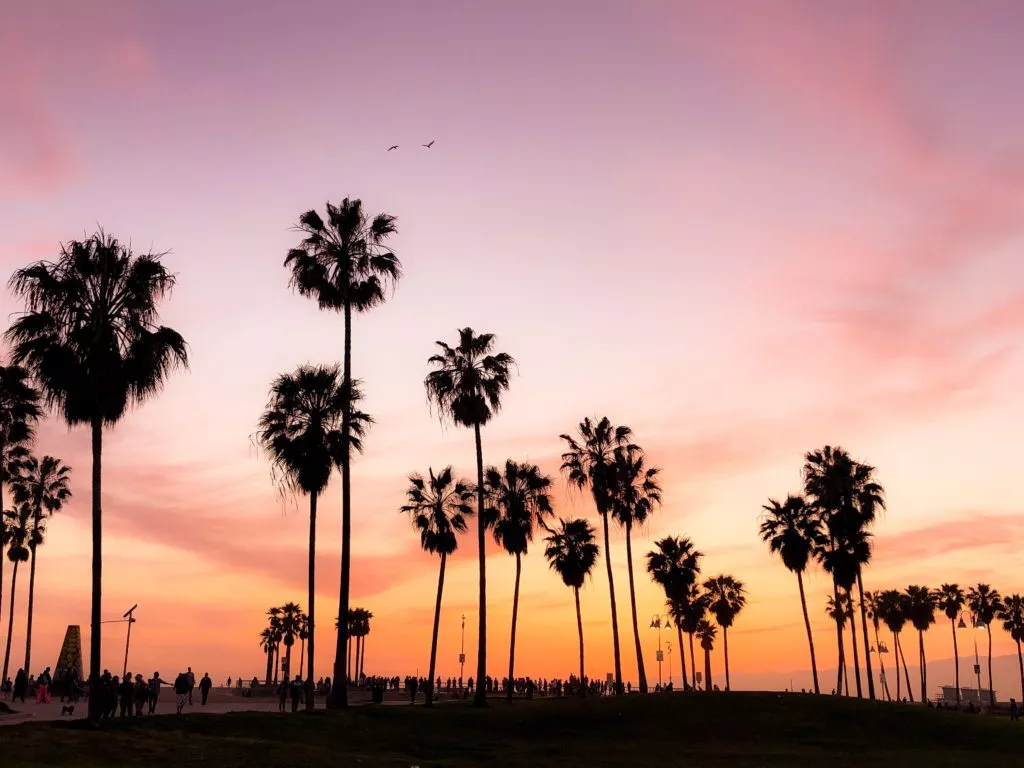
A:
(67, 709)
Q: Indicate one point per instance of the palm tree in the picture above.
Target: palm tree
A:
(19, 526)
(291, 618)
(636, 495)
(589, 461)
(518, 495)
(276, 636)
(301, 432)
(950, 599)
(985, 603)
(268, 644)
(871, 599)
(1011, 612)
(19, 412)
(345, 264)
(841, 611)
(792, 530)
(572, 553)
(91, 338)
(438, 506)
(302, 630)
(892, 609)
(848, 498)
(727, 597)
(706, 632)
(466, 385)
(921, 606)
(675, 566)
(45, 487)
(692, 608)
(359, 628)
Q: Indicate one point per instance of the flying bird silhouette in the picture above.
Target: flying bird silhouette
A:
(428, 146)
(393, 146)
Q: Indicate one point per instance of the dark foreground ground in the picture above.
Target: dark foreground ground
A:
(664, 730)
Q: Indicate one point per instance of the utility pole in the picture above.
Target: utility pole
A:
(131, 620)
(462, 651)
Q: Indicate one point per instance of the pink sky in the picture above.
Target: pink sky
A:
(745, 232)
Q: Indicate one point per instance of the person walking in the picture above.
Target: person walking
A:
(154, 691)
(296, 692)
(126, 695)
(43, 687)
(20, 686)
(191, 684)
(204, 687)
(282, 695)
(181, 690)
(141, 694)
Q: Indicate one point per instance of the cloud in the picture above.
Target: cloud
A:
(965, 532)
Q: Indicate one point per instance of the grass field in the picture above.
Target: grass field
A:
(735, 729)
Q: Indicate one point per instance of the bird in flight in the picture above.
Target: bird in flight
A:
(428, 146)
(393, 146)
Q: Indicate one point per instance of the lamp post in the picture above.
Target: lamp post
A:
(975, 624)
(882, 648)
(462, 651)
(668, 645)
(660, 622)
(130, 619)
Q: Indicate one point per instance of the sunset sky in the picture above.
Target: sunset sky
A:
(745, 230)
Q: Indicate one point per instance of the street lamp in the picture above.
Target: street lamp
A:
(975, 624)
(661, 622)
(462, 652)
(880, 649)
(668, 645)
(130, 619)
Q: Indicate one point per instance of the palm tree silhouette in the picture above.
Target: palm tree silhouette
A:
(302, 631)
(466, 384)
(727, 597)
(90, 337)
(691, 609)
(274, 624)
(45, 487)
(19, 412)
(706, 632)
(844, 492)
(892, 609)
(589, 461)
(345, 264)
(518, 496)
(841, 611)
(637, 494)
(301, 432)
(675, 565)
(572, 554)
(268, 644)
(359, 629)
(871, 602)
(19, 527)
(921, 606)
(792, 530)
(438, 506)
(950, 600)
(985, 603)
(1011, 611)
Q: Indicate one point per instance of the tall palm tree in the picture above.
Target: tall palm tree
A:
(706, 632)
(45, 486)
(19, 525)
(291, 617)
(921, 606)
(439, 506)
(1011, 612)
(302, 631)
(892, 609)
(572, 553)
(345, 264)
(841, 611)
(466, 385)
(985, 603)
(848, 497)
(872, 601)
(675, 565)
(950, 599)
(276, 636)
(360, 627)
(792, 530)
(268, 644)
(636, 495)
(727, 597)
(589, 461)
(91, 337)
(301, 432)
(692, 609)
(518, 495)
(19, 413)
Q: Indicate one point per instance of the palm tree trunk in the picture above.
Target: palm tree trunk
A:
(349, 657)
(693, 662)
(682, 656)
(846, 677)
(270, 664)
(302, 656)
(311, 599)
(707, 670)
(96, 698)
(429, 692)
(956, 660)
(839, 638)
(906, 672)
(867, 642)
(362, 656)
(924, 668)
(277, 664)
(339, 693)
(10, 620)
(632, 604)
(881, 665)
(615, 613)
(355, 669)
(288, 662)
(1020, 664)
(853, 642)
(31, 603)
(807, 625)
(512, 641)
(988, 629)
(480, 696)
(725, 644)
(579, 628)
(896, 655)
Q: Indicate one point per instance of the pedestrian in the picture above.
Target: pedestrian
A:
(141, 694)
(20, 686)
(126, 695)
(191, 684)
(204, 687)
(181, 689)
(282, 695)
(43, 691)
(154, 691)
(296, 691)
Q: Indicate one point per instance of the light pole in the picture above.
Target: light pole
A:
(462, 651)
(659, 622)
(882, 648)
(668, 645)
(975, 624)
(130, 619)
